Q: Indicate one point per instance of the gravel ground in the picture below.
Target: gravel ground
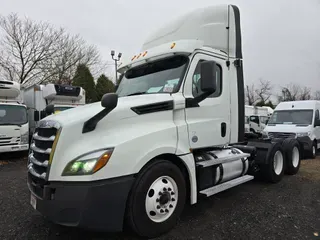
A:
(255, 210)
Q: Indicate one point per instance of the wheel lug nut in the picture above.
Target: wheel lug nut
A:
(164, 189)
(160, 193)
(161, 211)
(172, 193)
(169, 189)
(172, 199)
(158, 207)
(167, 210)
(170, 206)
(157, 200)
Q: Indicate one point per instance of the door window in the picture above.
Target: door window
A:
(254, 119)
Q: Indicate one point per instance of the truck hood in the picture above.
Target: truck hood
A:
(123, 109)
(287, 128)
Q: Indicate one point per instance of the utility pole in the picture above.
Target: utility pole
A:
(116, 60)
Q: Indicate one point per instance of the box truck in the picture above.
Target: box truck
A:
(60, 97)
(171, 134)
(14, 126)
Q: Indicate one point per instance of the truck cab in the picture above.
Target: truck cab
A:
(172, 133)
(14, 126)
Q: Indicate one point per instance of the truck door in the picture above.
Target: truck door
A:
(255, 124)
(209, 122)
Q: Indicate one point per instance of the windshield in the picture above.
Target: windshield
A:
(303, 117)
(59, 109)
(161, 76)
(13, 115)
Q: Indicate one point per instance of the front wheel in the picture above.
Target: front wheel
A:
(157, 199)
(313, 152)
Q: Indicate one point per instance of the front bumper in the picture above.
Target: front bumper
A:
(14, 148)
(98, 205)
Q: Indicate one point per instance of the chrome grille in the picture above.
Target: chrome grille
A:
(40, 149)
(281, 135)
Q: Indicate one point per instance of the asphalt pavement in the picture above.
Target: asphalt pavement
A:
(255, 210)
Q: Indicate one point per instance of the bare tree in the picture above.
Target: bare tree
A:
(264, 91)
(305, 93)
(251, 97)
(290, 92)
(24, 46)
(32, 52)
(317, 95)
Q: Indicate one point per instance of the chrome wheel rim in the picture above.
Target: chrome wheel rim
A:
(161, 199)
(278, 162)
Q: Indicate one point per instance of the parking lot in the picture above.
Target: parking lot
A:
(256, 210)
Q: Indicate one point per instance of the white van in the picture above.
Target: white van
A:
(298, 119)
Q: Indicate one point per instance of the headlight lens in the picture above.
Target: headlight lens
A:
(303, 134)
(88, 163)
(24, 138)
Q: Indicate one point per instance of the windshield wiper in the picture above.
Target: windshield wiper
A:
(14, 124)
(136, 93)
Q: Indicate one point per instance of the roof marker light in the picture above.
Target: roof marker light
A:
(173, 45)
(139, 55)
(133, 57)
(145, 53)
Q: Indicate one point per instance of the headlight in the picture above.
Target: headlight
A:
(24, 138)
(88, 164)
(303, 134)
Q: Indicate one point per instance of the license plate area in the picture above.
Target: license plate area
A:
(33, 201)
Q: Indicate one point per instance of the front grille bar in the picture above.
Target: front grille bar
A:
(34, 173)
(36, 162)
(39, 150)
(40, 138)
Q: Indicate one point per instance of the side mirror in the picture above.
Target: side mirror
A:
(49, 109)
(109, 100)
(36, 116)
(317, 123)
(208, 81)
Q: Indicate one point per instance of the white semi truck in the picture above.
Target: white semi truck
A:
(172, 133)
(14, 127)
(60, 97)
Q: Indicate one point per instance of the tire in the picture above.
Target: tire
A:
(292, 155)
(313, 151)
(143, 214)
(274, 172)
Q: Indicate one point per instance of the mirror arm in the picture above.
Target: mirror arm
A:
(194, 102)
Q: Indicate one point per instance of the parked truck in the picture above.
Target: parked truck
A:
(171, 134)
(60, 97)
(297, 119)
(258, 118)
(14, 127)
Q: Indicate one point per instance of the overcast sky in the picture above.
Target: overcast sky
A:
(281, 38)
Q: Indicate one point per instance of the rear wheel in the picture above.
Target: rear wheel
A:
(274, 169)
(157, 199)
(292, 155)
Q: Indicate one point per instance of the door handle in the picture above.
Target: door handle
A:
(223, 129)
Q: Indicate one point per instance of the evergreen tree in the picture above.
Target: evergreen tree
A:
(83, 78)
(104, 85)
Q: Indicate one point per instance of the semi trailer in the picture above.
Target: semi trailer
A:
(171, 134)
(14, 126)
(60, 97)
